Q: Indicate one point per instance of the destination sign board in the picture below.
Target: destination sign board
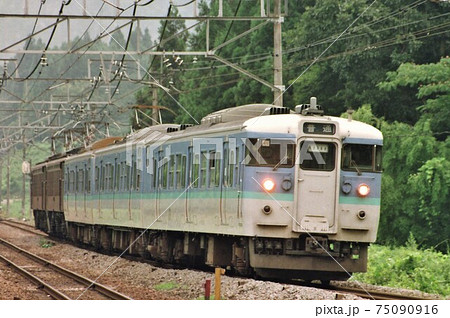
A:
(319, 128)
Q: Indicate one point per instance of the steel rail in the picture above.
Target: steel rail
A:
(80, 279)
(375, 295)
(22, 226)
(54, 293)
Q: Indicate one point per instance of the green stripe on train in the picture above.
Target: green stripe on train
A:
(210, 194)
(359, 201)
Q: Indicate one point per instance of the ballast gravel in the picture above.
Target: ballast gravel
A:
(140, 280)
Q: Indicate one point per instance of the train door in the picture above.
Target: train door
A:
(116, 185)
(214, 164)
(316, 190)
(44, 189)
(84, 187)
(239, 177)
(189, 182)
(61, 187)
(160, 167)
(131, 181)
(224, 184)
(98, 177)
(75, 190)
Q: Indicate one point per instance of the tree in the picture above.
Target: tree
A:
(429, 203)
(432, 82)
(382, 37)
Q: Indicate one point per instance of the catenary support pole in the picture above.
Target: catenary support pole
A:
(277, 55)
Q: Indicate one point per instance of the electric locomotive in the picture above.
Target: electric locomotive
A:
(259, 189)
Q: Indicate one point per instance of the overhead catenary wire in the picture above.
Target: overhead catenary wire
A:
(63, 4)
(418, 2)
(29, 40)
(184, 4)
(386, 44)
(123, 56)
(85, 51)
(268, 55)
(159, 42)
(331, 38)
(365, 48)
(308, 46)
(105, 30)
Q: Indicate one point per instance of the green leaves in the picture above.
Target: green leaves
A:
(432, 85)
(408, 267)
(429, 79)
(415, 185)
(430, 187)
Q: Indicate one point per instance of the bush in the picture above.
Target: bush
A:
(408, 267)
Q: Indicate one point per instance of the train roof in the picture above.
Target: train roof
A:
(289, 124)
(258, 118)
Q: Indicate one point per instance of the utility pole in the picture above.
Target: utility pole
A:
(23, 175)
(24, 151)
(277, 56)
(155, 110)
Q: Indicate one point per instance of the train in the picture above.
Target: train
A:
(261, 190)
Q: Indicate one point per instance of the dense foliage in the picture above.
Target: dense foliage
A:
(408, 267)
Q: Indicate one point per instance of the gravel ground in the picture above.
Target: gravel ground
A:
(15, 287)
(144, 281)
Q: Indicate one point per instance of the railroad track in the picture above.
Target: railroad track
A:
(360, 292)
(367, 293)
(72, 285)
(23, 226)
(374, 294)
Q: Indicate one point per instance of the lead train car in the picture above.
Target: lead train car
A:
(257, 188)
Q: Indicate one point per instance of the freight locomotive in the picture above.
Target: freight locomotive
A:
(259, 189)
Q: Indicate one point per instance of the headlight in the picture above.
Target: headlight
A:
(363, 190)
(268, 185)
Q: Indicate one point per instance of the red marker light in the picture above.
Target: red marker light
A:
(268, 185)
(363, 190)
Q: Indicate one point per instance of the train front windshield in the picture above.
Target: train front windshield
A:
(270, 153)
(319, 156)
(361, 158)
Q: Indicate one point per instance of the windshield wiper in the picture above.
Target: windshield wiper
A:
(279, 163)
(352, 162)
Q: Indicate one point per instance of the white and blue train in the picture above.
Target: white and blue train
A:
(259, 189)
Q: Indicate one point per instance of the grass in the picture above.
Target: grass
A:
(45, 244)
(15, 209)
(165, 286)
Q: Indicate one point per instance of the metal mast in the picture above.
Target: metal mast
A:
(277, 56)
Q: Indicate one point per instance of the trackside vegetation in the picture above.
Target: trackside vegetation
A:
(408, 267)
